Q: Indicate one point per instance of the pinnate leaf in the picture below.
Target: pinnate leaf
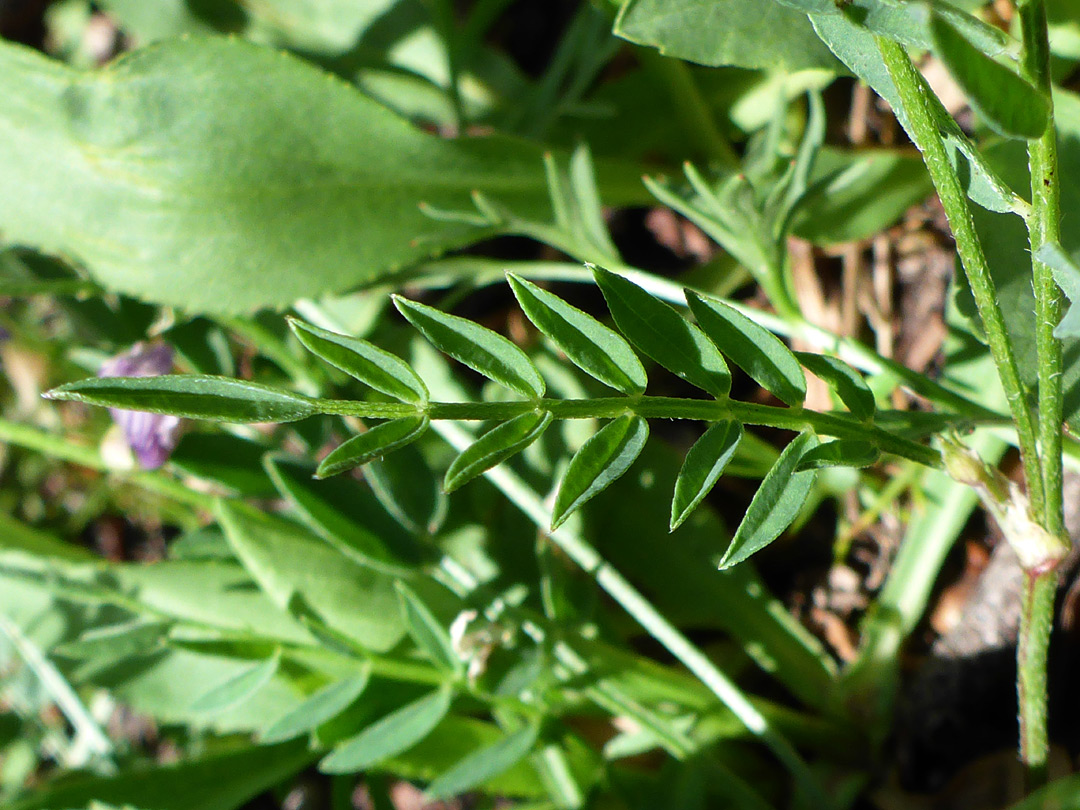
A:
(480, 766)
(496, 446)
(844, 380)
(380, 440)
(239, 687)
(591, 346)
(324, 705)
(754, 349)
(426, 630)
(482, 350)
(196, 396)
(1010, 103)
(396, 732)
(840, 453)
(776, 503)
(366, 362)
(703, 467)
(664, 335)
(600, 462)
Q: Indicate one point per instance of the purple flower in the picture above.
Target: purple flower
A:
(150, 436)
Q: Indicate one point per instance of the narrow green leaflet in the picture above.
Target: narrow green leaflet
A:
(591, 346)
(484, 764)
(496, 446)
(840, 453)
(239, 687)
(117, 641)
(482, 350)
(754, 349)
(366, 362)
(196, 396)
(844, 380)
(398, 731)
(776, 503)
(1010, 103)
(378, 441)
(407, 488)
(1067, 276)
(703, 467)
(324, 705)
(428, 633)
(663, 334)
(600, 461)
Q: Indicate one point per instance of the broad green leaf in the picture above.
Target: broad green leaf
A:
(725, 32)
(663, 334)
(288, 562)
(751, 347)
(195, 396)
(776, 503)
(223, 781)
(373, 443)
(482, 350)
(346, 515)
(218, 175)
(496, 446)
(428, 633)
(1067, 276)
(324, 705)
(703, 467)
(239, 687)
(600, 461)
(397, 732)
(366, 362)
(589, 344)
(1010, 103)
(844, 380)
(840, 453)
(484, 764)
(407, 488)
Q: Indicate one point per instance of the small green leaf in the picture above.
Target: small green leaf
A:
(195, 396)
(486, 763)
(844, 380)
(366, 362)
(324, 705)
(776, 503)
(751, 347)
(840, 453)
(496, 446)
(398, 731)
(239, 687)
(1067, 276)
(1010, 104)
(589, 344)
(428, 633)
(600, 461)
(117, 641)
(664, 335)
(380, 440)
(703, 467)
(482, 350)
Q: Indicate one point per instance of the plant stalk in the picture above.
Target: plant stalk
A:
(925, 133)
(1044, 225)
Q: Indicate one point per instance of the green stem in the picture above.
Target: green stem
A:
(1044, 225)
(1036, 619)
(839, 425)
(925, 133)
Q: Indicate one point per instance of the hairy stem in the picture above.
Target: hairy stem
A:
(925, 133)
(1031, 656)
